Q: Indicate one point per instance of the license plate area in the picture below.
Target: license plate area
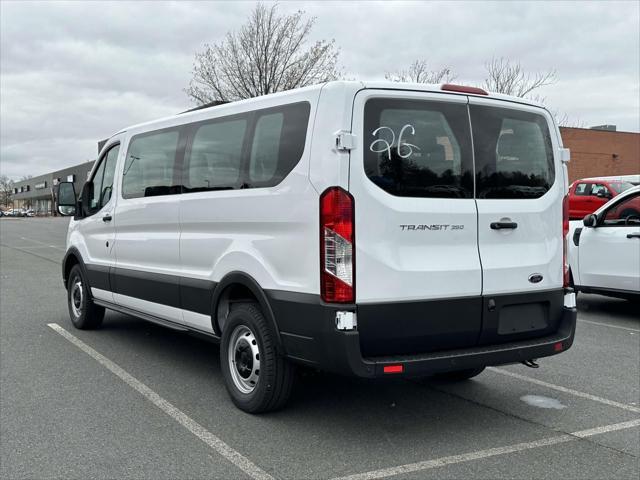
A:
(520, 316)
(526, 317)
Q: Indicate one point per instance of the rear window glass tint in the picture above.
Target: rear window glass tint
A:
(266, 147)
(417, 148)
(215, 156)
(513, 153)
(277, 144)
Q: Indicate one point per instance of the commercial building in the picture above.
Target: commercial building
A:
(595, 152)
(601, 151)
(37, 193)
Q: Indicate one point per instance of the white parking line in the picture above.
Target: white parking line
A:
(240, 461)
(490, 452)
(559, 388)
(609, 325)
(43, 243)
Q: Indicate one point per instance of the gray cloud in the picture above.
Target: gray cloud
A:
(74, 73)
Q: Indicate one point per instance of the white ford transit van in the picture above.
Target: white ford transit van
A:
(369, 229)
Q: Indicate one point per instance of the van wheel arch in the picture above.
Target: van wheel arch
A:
(71, 258)
(237, 287)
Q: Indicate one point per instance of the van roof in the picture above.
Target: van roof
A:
(374, 84)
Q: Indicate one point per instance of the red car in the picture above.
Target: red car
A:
(588, 195)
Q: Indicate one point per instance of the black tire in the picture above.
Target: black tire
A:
(459, 375)
(84, 314)
(274, 380)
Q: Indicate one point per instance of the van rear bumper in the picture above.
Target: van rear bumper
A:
(319, 344)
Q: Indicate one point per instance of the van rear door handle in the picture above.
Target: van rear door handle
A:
(633, 235)
(501, 225)
(106, 218)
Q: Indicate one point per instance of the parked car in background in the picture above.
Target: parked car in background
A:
(589, 194)
(604, 248)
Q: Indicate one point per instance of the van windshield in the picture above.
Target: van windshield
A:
(423, 148)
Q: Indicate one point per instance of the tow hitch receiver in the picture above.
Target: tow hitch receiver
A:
(530, 363)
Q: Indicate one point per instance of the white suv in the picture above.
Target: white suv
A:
(370, 229)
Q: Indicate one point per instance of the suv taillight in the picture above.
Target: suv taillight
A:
(337, 248)
(565, 233)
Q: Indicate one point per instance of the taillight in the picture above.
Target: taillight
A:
(337, 249)
(565, 233)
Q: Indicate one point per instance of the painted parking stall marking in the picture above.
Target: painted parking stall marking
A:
(235, 457)
(562, 389)
(490, 452)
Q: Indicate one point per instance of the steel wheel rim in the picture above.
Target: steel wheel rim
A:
(75, 298)
(244, 359)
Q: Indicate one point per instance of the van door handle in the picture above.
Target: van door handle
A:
(107, 218)
(501, 225)
(633, 235)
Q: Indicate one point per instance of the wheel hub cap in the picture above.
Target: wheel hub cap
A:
(244, 359)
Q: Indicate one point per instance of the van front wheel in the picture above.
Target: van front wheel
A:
(257, 378)
(83, 312)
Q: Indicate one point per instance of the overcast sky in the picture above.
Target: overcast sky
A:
(74, 73)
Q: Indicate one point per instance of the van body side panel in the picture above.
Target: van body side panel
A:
(269, 233)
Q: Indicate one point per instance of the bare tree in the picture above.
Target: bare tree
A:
(504, 76)
(268, 54)
(418, 72)
(25, 177)
(6, 190)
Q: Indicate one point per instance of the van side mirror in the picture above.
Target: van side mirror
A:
(590, 220)
(67, 199)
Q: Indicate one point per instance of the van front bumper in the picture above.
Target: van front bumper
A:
(319, 344)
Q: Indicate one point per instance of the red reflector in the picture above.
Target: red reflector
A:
(451, 87)
(393, 369)
(557, 347)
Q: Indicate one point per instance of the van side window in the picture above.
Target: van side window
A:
(215, 157)
(513, 153)
(149, 165)
(418, 148)
(278, 143)
(103, 180)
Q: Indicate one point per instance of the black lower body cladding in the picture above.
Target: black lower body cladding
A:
(498, 330)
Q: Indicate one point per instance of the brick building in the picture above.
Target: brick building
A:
(599, 153)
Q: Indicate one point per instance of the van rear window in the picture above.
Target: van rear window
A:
(513, 153)
(418, 148)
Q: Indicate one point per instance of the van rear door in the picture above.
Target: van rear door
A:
(519, 191)
(418, 274)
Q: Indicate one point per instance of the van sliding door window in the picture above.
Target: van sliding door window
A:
(418, 148)
(149, 166)
(513, 153)
(214, 160)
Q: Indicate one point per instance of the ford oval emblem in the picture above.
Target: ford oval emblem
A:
(535, 278)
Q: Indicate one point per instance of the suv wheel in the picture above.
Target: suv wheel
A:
(84, 313)
(256, 377)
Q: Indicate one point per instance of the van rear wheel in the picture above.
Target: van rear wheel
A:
(257, 378)
(84, 314)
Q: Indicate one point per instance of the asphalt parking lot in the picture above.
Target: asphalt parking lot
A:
(134, 400)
